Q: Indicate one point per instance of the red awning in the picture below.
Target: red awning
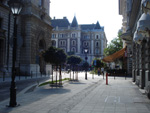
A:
(115, 56)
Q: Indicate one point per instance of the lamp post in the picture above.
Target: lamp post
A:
(15, 6)
(86, 51)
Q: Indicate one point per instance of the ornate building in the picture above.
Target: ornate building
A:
(75, 38)
(136, 24)
(34, 36)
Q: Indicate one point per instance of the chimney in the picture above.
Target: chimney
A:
(64, 17)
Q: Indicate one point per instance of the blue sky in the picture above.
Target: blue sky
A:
(88, 12)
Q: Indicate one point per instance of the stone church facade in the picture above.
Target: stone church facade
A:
(33, 36)
(75, 38)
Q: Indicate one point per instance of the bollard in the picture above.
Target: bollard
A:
(106, 78)
(114, 75)
(93, 76)
(125, 75)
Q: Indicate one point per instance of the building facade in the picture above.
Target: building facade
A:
(75, 38)
(136, 29)
(33, 36)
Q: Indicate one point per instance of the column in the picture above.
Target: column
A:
(147, 63)
(142, 65)
(137, 65)
(133, 62)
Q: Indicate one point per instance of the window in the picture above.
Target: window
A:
(73, 42)
(97, 51)
(64, 43)
(97, 44)
(61, 43)
(86, 37)
(53, 35)
(73, 35)
(97, 37)
(73, 49)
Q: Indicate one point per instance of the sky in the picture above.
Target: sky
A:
(89, 12)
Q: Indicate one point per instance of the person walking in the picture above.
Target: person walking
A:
(98, 71)
(102, 71)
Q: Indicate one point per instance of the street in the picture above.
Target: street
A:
(83, 96)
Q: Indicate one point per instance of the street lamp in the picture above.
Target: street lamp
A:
(15, 6)
(86, 51)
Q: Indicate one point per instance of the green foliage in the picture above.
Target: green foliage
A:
(99, 63)
(50, 82)
(55, 56)
(73, 60)
(115, 45)
(85, 65)
(70, 53)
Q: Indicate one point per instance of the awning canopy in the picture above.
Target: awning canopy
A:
(115, 56)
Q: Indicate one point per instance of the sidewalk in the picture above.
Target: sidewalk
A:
(85, 96)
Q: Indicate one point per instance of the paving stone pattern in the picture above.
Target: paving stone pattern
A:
(85, 96)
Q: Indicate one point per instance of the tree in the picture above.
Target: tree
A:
(115, 45)
(73, 61)
(99, 63)
(55, 56)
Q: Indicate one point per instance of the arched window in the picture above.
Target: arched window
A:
(73, 35)
(73, 42)
(97, 44)
(73, 49)
(64, 43)
(97, 37)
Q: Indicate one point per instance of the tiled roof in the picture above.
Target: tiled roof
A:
(60, 22)
(87, 26)
(74, 22)
(97, 26)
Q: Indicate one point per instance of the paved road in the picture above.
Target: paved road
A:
(21, 84)
(83, 96)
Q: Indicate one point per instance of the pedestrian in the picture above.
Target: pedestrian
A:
(102, 70)
(98, 72)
